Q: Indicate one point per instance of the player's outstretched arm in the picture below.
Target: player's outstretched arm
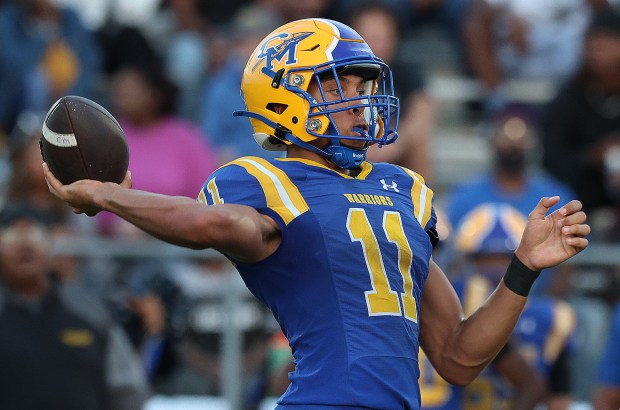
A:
(460, 348)
(237, 230)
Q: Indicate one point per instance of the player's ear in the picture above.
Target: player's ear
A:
(278, 108)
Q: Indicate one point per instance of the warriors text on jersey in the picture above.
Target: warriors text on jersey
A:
(346, 282)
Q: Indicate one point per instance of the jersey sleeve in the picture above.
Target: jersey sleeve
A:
(422, 199)
(232, 184)
(254, 182)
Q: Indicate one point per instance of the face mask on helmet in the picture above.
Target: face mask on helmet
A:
(276, 83)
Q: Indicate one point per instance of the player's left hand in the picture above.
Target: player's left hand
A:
(549, 240)
(81, 195)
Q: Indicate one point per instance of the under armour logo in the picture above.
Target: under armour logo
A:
(387, 187)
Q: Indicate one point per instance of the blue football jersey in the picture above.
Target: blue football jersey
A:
(544, 329)
(436, 393)
(609, 365)
(346, 282)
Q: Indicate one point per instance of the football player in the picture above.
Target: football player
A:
(534, 366)
(337, 247)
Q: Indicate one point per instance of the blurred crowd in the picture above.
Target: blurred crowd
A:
(102, 332)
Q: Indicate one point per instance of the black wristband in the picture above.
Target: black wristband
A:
(519, 278)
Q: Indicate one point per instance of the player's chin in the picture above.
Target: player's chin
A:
(355, 143)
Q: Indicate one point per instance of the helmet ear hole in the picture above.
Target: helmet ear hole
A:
(277, 107)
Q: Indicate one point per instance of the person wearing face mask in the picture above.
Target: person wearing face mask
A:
(512, 177)
(580, 125)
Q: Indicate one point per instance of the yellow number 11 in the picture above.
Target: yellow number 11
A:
(382, 300)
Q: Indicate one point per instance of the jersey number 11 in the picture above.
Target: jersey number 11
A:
(382, 300)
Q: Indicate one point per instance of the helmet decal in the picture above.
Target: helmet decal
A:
(285, 46)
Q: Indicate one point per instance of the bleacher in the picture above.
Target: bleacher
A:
(459, 148)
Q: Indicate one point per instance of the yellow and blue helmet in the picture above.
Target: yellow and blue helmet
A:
(490, 229)
(282, 67)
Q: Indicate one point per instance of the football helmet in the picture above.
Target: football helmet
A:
(490, 229)
(282, 111)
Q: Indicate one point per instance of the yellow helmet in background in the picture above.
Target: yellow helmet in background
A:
(490, 229)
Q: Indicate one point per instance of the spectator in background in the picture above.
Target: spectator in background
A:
(295, 10)
(607, 393)
(581, 125)
(514, 180)
(123, 46)
(45, 53)
(158, 312)
(27, 185)
(179, 33)
(510, 180)
(509, 382)
(25, 182)
(221, 13)
(447, 15)
(483, 244)
(220, 95)
(168, 154)
(413, 15)
(486, 237)
(59, 349)
(209, 319)
(378, 25)
(180, 319)
(523, 40)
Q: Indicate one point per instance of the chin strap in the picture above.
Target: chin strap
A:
(345, 157)
(341, 156)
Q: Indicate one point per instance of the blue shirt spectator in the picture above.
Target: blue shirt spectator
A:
(232, 136)
(509, 180)
(45, 52)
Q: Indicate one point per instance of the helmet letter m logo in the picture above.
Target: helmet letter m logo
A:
(285, 47)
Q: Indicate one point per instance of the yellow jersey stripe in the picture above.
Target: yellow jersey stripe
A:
(202, 198)
(477, 291)
(473, 230)
(564, 323)
(365, 167)
(281, 194)
(215, 193)
(422, 198)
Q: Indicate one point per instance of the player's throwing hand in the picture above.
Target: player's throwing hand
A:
(81, 195)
